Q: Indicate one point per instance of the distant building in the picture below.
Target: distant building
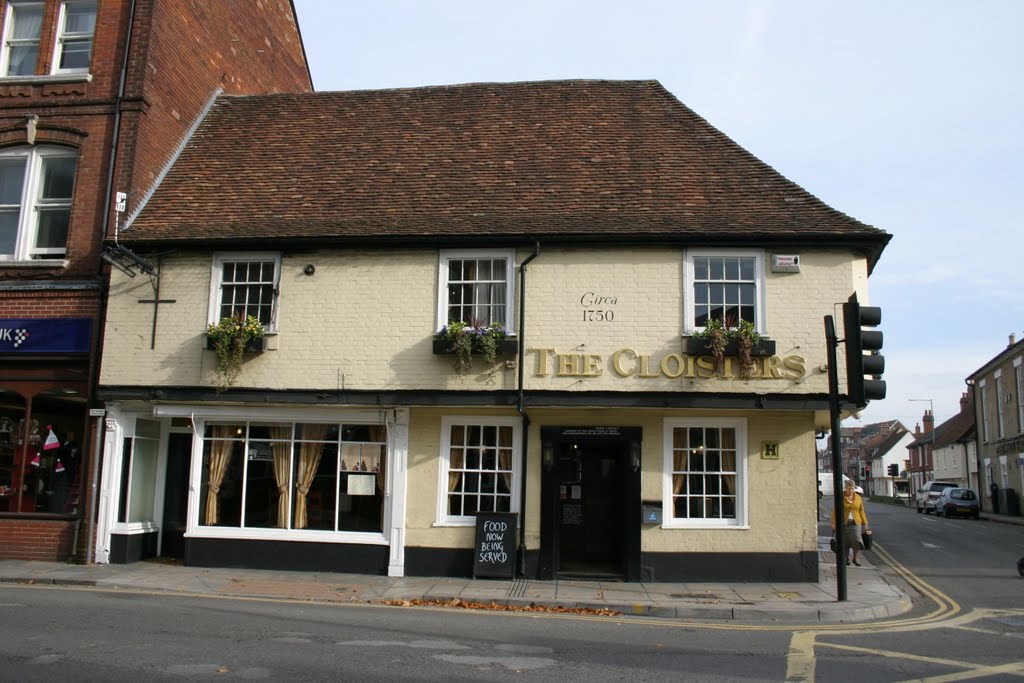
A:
(999, 416)
(954, 454)
(870, 450)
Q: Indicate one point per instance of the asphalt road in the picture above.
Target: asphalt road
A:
(968, 623)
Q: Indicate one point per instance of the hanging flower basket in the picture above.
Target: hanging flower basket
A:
(699, 346)
(465, 342)
(720, 339)
(230, 339)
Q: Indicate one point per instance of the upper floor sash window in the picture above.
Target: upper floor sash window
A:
(476, 287)
(36, 187)
(725, 285)
(244, 285)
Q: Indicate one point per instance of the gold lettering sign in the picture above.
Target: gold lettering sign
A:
(627, 363)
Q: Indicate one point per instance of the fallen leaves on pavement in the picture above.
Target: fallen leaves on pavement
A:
(498, 607)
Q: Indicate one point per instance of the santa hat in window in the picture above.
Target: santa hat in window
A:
(59, 467)
(51, 440)
(34, 461)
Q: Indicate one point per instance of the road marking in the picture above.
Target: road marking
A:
(1012, 668)
(800, 659)
(930, 545)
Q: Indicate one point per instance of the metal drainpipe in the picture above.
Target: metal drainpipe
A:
(101, 313)
(521, 409)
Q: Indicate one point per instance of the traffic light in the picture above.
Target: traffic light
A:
(867, 471)
(894, 470)
(860, 390)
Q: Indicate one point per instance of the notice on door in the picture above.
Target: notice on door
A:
(495, 552)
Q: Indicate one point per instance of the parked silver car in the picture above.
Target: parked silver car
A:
(929, 493)
(958, 503)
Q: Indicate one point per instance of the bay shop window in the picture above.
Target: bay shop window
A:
(283, 475)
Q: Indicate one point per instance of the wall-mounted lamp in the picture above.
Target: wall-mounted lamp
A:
(309, 269)
(547, 452)
(634, 455)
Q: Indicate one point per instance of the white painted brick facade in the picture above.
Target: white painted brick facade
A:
(365, 320)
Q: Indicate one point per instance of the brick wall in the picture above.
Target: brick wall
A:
(48, 304)
(36, 539)
(192, 49)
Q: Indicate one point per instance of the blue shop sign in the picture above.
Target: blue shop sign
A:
(45, 335)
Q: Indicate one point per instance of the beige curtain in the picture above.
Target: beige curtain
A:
(282, 469)
(310, 451)
(380, 433)
(455, 456)
(505, 455)
(220, 458)
(679, 465)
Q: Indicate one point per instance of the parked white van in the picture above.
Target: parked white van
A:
(825, 487)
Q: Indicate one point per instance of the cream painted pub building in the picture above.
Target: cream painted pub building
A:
(601, 224)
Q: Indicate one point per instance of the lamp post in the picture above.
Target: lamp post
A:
(931, 411)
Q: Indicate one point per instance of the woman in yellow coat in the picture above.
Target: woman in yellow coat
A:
(856, 521)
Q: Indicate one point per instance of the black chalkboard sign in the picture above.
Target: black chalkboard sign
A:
(495, 552)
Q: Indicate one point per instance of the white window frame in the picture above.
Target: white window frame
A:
(443, 518)
(219, 259)
(200, 415)
(65, 36)
(447, 255)
(5, 52)
(983, 407)
(1000, 422)
(31, 203)
(669, 521)
(1019, 376)
(760, 297)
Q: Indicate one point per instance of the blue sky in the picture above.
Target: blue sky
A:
(906, 115)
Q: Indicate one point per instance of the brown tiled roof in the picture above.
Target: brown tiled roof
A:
(559, 159)
(954, 430)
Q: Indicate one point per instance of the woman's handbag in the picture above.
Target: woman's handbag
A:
(832, 544)
(866, 539)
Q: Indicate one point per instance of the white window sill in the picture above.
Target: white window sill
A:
(713, 527)
(35, 263)
(307, 535)
(455, 523)
(52, 78)
(134, 528)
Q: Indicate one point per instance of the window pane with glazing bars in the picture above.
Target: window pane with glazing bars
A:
(704, 472)
(75, 40)
(479, 469)
(724, 288)
(476, 291)
(22, 43)
(247, 288)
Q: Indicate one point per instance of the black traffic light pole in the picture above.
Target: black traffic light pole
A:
(858, 392)
(831, 342)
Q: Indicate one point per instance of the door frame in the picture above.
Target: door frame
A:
(552, 439)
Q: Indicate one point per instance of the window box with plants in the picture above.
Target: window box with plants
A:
(465, 342)
(231, 338)
(719, 340)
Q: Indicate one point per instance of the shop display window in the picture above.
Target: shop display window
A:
(326, 477)
(40, 456)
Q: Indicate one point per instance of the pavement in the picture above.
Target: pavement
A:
(869, 595)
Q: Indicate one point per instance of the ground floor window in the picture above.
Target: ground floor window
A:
(479, 469)
(40, 453)
(284, 475)
(705, 465)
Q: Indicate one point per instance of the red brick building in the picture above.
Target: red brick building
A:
(96, 97)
